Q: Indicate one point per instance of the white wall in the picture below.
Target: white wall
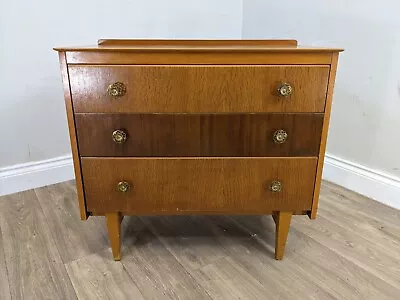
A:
(365, 119)
(33, 123)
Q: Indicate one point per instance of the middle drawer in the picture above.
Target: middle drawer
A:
(219, 135)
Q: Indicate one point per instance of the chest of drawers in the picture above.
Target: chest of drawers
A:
(171, 127)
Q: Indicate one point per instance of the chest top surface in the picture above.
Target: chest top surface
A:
(197, 52)
(167, 45)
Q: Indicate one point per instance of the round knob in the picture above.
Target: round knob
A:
(285, 90)
(276, 186)
(116, 89)
(123, 186)
(280, 136)
(119, 136)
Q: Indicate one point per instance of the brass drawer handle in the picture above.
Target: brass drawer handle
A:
(123, 186)
(116, 89)
(119, 136)
(280, 136)
(285, 90)
(276, 186)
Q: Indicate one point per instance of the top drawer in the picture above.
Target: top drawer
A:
(189, 89)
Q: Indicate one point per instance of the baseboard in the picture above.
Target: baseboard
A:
(365, 181)
(31, 175)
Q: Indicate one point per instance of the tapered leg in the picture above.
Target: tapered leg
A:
(114, 233)
(282, 222)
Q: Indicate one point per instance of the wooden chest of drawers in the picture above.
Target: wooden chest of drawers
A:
(198, 127)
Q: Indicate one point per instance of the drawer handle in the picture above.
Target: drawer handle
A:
(276, 186)
(285, 90)
(116, 89)
(123, 186)
(280, 136)
(119, 136)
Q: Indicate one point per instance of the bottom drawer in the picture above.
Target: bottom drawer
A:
(198, 185)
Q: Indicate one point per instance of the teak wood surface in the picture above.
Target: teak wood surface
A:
(169, 135)
(72, 135)
(198, 185)
(173, 57)
(324, 137)
(196, 44)
(282, 221)
(114, 220)
(187, 100)
(199, 89)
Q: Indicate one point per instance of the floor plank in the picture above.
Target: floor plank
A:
(371, 222)
(98, 276)
(74, 238)
(312, 263)
(198, 251)
(359, 205)
(376, 233)
(254, 251)
(192, 241)
(35, 269)
(4, 284)
(153, 268)
(368, 255)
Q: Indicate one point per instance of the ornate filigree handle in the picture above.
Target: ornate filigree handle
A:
(117, 89)
(280, 136)
(275, 186)
(285, 90)
(123, 186)
(119, 136)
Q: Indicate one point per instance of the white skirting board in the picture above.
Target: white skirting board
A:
(31, 175)
(355, 177)
(365, 181)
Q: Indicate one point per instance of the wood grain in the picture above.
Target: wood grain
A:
(282, 220)
(114, 232)
(4, 284)
(193, 43)
(171, 57)
(179, 186)
(61, 211)
(324, 137)
(174, 135)
(331, 276)
(254, 254)
(34, 266)
(153, 268)
(356, 248)
(360, 207)
(189, 239)
(72, 135)
(190, 46)
(199, 89)
(98, 277)
(215, 154)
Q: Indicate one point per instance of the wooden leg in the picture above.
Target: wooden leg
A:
(282, 221)
(114, 233)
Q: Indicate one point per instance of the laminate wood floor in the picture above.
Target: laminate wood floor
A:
(352, 251)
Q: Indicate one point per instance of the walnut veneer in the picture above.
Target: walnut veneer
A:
(198, 127)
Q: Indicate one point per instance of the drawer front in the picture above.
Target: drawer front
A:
(200, 89)
(172, 135)
(213, 185)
